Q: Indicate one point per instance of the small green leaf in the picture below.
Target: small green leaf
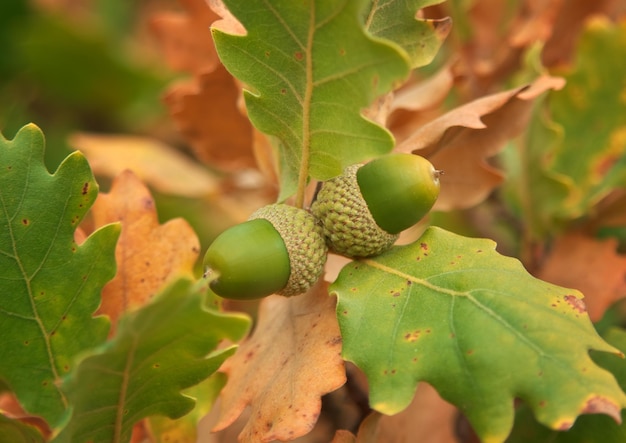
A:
(159, 350)
(49, 285)
(312, 69)
(395, 21)
(451, 311)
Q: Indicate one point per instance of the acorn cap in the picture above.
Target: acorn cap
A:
(347, 222)
(304, 241)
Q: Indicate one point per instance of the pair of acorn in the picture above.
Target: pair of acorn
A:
(282, 249)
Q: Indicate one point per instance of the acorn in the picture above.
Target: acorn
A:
(279, 250)
(364, 210)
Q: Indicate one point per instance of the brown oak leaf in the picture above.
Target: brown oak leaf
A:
(148, 255)
(282, 370)
(590, 265)
(185, 37)
(461, 141)
(207, 114)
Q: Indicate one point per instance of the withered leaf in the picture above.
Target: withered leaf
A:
(148, 254)
(461, 141)
(155, 163)
(282, 370)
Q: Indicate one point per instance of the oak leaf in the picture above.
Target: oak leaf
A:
(148, 255)
(461, 141)
(282, 370)
(590, 265)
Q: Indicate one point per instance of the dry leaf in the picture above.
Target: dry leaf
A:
(207, 115)
(428, 419)
(419, 102)
(283, 369)
(162, 167)
(590, 265)
(186, 38)
(148, 255)
(460, 142)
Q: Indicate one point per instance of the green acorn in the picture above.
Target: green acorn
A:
(364, 210)
(279, 250)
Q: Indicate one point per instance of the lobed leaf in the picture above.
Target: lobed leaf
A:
(311, 68)
(450, 311)
(159, 350)
(49, 285)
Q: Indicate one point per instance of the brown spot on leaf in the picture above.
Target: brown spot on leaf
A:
(424, 246)
(413, 335)
(542, 403)
(576, 303)
(298, 55)
(602, 405)
(85, 188)
(25, 221)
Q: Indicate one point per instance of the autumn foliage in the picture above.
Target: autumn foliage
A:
(499, 317)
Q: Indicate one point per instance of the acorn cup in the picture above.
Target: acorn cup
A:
(279, 250)
(364, 210)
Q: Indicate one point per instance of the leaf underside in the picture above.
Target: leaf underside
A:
(311, 69)
(451, 311)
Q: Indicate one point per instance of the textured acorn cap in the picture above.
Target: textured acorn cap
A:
(304, 241)
(347, 222)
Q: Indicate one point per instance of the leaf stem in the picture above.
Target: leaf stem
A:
(306, 112)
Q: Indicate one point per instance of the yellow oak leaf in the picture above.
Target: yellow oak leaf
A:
(282, 370)
(148, 254)
(162, 167)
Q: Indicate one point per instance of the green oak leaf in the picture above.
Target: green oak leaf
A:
(395, 20)
(451, 311)
(164, 347)
(592, 112)
(588, 428)
(312, 68)
(49, 285)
